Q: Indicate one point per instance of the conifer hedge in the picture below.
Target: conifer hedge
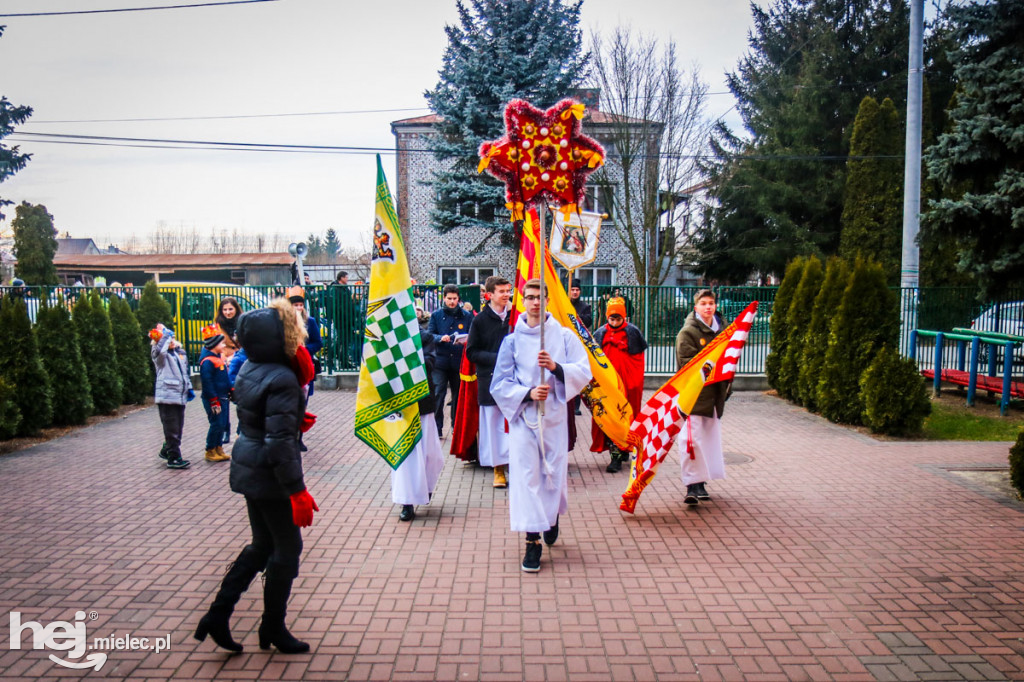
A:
(867, 319)
(894, 393)
(132, 355)
(1017, 464)
(62, 358)
(10, 415)
(21, 367)
(798, 319)
(97, 345)
(153, 308)
(779, 327)
(815, 341)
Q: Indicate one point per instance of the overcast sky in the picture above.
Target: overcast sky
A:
(256, 60)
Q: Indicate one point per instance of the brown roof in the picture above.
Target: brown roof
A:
(173, 260)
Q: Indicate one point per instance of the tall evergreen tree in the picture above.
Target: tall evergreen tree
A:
(979, 160)
(153, 309)
(132, 353)
(97, 345)
(10, 415)
(815, 341)
(798, 319)
(868, 318)
(11, 158)
(779, 325)
(62, 358)
(35, 244)
(872, 222)
(798, 88)
(500, 50)
(21, 367)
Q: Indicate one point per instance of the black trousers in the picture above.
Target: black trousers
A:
(443, 380)
(276, 540)
(172, 419)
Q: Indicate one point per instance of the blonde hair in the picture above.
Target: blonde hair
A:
(294, 333)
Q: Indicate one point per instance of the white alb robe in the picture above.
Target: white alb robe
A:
(708, 463)
(491, 438)
(414, 479)
(538, 485)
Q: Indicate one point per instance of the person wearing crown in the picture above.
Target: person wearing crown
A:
(216, 386)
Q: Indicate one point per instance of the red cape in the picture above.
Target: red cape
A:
(467, 419)
(631, 369)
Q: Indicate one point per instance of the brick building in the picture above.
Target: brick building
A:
(446, 258)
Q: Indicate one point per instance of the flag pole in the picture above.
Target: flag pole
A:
(543, 206)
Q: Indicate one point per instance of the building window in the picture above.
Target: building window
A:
(590, 277)
(468, 274)
(599, 199)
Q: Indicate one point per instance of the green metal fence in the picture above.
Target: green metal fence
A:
(659, 312)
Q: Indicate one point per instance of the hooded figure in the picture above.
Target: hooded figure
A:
(266, 467)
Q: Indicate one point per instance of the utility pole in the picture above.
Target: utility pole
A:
(910, 268)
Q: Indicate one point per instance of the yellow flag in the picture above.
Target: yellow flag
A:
(393, 376)
(605, 394)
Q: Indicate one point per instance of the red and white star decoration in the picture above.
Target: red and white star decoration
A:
(543, 155)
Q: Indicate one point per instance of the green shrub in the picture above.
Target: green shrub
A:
(21, 367)
(1017, 464)
(894, 394)
(815, 341)
(97, 346)
(132, 355)
(153, 308)
(62, 358)
(10, 415)
(779, 327)
(867, 319)
(798, 318)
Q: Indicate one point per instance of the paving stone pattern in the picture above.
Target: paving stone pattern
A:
(826, 555)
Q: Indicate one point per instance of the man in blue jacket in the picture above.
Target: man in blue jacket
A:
(450, 327)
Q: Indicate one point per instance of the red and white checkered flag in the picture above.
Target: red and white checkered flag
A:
(659, 422)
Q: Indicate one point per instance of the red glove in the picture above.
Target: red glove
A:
(307, 422)
(302, 365)
(303, 506)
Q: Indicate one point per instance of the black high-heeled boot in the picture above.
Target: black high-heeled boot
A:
(275, 605)
(216, 621)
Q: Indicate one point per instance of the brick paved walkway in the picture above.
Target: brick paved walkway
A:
(826, 555)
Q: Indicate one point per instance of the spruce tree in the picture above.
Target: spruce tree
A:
(62, 358)
(815, 341)
(22, 368)
(867, 319)
(778, 187)
(500, 50)
(778, 327)
(35, 244)
(872, 221)
(798, 319)
(977, 161)
(97, 344)
(10, 415)
(132, 353)
(11, 158)
(153, 309)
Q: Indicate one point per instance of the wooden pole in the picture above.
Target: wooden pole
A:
(543, 206)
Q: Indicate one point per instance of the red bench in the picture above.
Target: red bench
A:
(985, 382)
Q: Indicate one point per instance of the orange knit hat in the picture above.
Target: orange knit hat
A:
(616, 306)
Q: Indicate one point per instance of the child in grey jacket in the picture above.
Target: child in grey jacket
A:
(173, 390)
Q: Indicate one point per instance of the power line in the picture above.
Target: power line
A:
(133, 9)
(209, 145)
(231, 116)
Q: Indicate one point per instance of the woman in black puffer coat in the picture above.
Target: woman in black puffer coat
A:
(266, 468)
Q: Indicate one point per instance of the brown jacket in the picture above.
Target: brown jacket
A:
(692, 338)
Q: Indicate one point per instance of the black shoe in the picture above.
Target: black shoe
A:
(615, 466)
(531, 562)
(702, 492)
(272, 629)
(691, 495)
(217, 627)
(577, 412)
(408, 513)
(178, 463)
(164, 454)
(551, 534)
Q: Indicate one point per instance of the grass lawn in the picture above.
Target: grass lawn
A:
(951, 419)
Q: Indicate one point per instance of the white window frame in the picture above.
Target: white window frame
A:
(458, 273)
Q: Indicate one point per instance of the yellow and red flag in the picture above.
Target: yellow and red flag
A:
(659, 421)
(605, 394)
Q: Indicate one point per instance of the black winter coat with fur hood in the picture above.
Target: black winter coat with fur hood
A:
(265, 460)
